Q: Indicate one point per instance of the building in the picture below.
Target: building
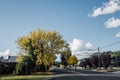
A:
(7, 65)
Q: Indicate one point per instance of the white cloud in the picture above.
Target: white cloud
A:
(89, 45)
(81, 49)
(84, 54)
(107, 8)
(77, 45)
(118, 34)
(5, 54)
(112, 23)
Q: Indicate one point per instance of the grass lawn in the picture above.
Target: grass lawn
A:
(28, 77)
(33, 76)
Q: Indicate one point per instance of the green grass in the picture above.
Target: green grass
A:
(42, 73)
(28, 77)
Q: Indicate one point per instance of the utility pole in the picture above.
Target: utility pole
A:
(0, 67)
(99, 58)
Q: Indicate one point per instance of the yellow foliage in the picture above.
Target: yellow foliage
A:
(72, 60)
(19, 58)
(42, 45)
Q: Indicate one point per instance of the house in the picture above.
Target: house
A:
(11, 59)
(7, 65)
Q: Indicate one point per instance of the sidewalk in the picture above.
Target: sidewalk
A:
(116, 72)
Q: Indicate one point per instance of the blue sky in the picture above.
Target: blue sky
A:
(74, 19)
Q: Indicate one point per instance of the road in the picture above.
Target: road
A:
(61, 74)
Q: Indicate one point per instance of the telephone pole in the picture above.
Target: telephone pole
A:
(99, 58)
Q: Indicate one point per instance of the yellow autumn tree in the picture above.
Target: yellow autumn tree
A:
(72, 60)
(42, 46)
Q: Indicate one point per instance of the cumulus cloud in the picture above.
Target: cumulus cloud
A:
(5, 54)
(107, 8)
(81, 49)
(112, 23)
(118, 34)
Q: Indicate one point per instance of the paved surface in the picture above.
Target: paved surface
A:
(61, 74)
(117, 72)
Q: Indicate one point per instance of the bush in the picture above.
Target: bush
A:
(24, 67)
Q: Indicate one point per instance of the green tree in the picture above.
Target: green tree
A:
(42, 46)
(24, 65)
(116, 58)
(65, 54)
(116, 53)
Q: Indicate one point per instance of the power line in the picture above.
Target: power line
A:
(102, 48)
(110, 45)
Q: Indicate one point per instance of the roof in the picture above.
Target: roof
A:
(10, 59)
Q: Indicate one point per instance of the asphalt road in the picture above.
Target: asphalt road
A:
(61, 74)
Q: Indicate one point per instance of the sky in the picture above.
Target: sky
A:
(84, 24)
